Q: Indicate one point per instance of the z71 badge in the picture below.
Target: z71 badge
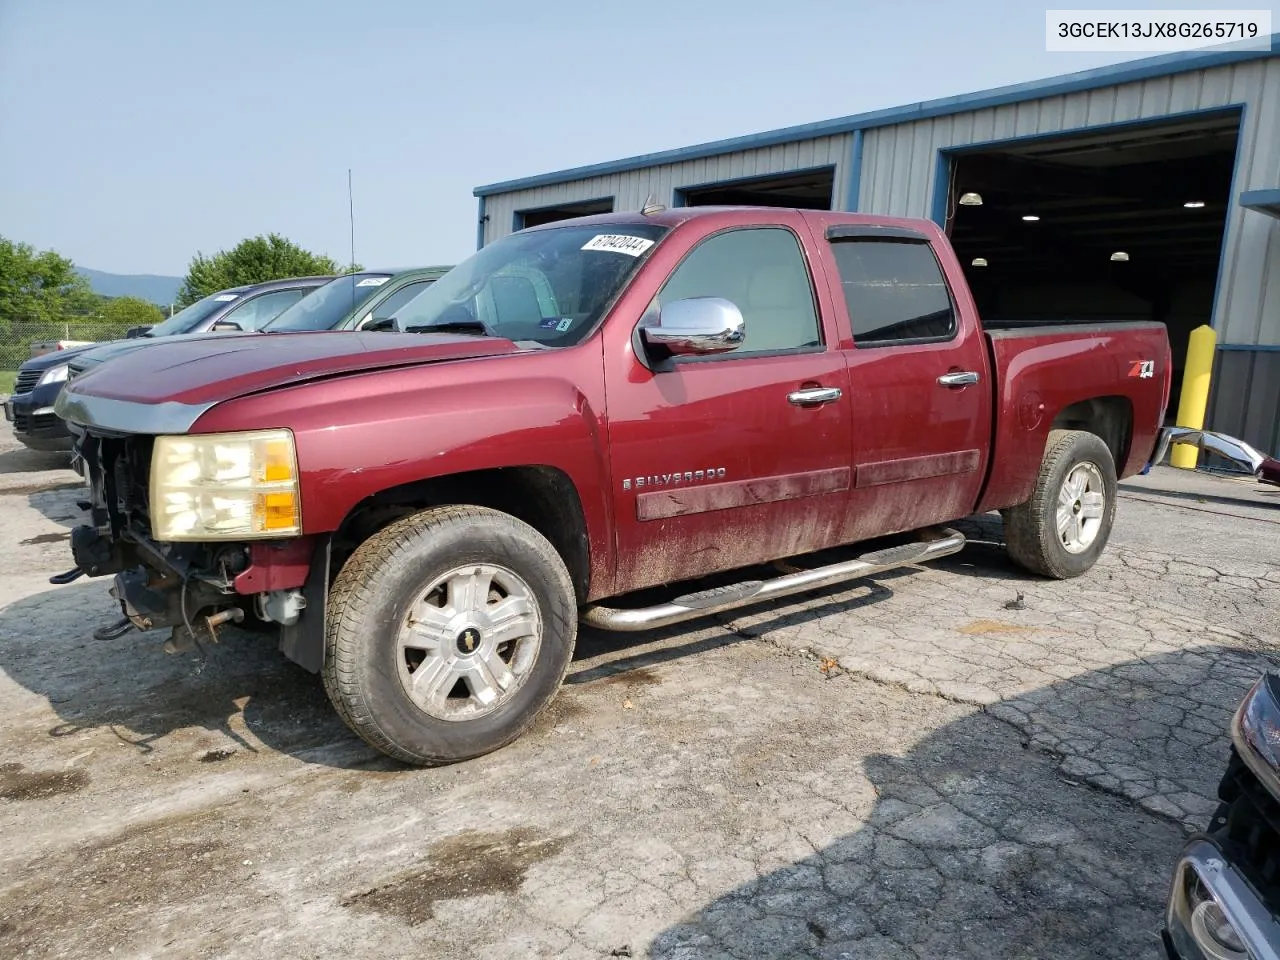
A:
(1144, 369)
(671, 479)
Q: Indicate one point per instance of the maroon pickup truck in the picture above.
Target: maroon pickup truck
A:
(580, 411)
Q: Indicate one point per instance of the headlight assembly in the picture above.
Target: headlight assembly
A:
(1256, 731)
(54, 375)
(225, 486)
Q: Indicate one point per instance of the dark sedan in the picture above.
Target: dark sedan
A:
(40, 379)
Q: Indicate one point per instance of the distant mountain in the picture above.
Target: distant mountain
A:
(159, 290)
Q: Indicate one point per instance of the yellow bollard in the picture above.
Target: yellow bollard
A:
(1195, 393)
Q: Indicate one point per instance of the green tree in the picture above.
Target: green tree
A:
(254, 260)
(39, 285)
(130, 312)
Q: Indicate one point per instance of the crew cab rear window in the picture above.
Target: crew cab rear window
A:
(894, 291)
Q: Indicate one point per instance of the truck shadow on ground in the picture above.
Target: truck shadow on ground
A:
(974, 843)
(244, 692)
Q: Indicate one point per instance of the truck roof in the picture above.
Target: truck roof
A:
(674, 216)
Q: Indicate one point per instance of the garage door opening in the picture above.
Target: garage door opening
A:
(564, 211)
(805, 189)
(1097, 228)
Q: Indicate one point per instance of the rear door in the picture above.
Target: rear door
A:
(919, 381)
(727, 460)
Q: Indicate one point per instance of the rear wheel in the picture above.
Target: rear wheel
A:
(447, 633)
(1062, 530)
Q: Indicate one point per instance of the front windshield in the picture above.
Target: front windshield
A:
(324, 308)
(550, 286)
(188, 318)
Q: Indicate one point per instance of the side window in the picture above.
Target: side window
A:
(762, 271)
(252, 314)
(895, 291)
(388, 307)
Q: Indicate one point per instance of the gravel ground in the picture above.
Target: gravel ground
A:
(953, 761)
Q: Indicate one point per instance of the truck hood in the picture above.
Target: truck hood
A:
(204, 371)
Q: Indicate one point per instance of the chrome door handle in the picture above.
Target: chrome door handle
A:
(961, 379)
(812, 396)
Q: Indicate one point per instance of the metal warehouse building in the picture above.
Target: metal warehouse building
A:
(1148, 190)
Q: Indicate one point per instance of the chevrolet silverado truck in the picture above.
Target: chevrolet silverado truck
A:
(581, 411)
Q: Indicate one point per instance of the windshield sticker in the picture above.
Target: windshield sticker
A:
(372, 281)
(564, 324)
(223, 298)
(548, 323)
(618, 243)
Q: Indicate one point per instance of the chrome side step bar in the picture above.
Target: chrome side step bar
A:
(719, 599)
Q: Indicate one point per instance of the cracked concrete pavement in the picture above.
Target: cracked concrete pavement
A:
(952, 761)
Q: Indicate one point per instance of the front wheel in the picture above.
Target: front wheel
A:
(1062, 530)
(447, 633)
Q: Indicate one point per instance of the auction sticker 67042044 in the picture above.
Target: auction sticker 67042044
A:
(618, 243)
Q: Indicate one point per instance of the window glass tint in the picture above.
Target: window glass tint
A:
(252, 314)
(389, 306)
(548, 285)
(187, 319)
(763, 273)
(328, 307)
(894, 291)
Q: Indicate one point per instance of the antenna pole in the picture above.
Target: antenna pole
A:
(351, 217)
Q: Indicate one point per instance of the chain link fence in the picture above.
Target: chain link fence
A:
(22, 340)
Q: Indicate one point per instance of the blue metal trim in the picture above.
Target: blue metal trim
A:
(679, 196)
(1252, 198)
(1146, 69)
(1263, 201)
(941, 188)
(1250, 347)
(853, 183)
(1220, 280)
(481, 219)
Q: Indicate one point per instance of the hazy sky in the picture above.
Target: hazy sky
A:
(135, 133)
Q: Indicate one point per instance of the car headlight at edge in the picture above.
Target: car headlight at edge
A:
(1256, 731)
(56, 374)
(225, 486)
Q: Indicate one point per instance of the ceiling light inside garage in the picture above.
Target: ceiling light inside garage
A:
(1030, 218)
(970, 199)
(1194, 204)
(979, 261)
(1120, 256)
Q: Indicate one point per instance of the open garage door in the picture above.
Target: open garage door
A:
(804, 189)
(1098, 227)
(565, 211)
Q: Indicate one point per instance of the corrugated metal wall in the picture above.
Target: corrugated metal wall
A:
(1245, 400)
(898, 178)
(899, 163)
(630, 190)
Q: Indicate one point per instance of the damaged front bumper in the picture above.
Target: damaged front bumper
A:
(1265, 469)
(190, 589)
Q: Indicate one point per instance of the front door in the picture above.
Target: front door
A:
(724, 461)
(919, 384)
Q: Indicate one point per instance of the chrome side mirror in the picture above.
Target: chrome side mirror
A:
(698, 325)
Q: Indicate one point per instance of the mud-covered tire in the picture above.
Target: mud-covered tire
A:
(1032, 530)
(366, 665)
